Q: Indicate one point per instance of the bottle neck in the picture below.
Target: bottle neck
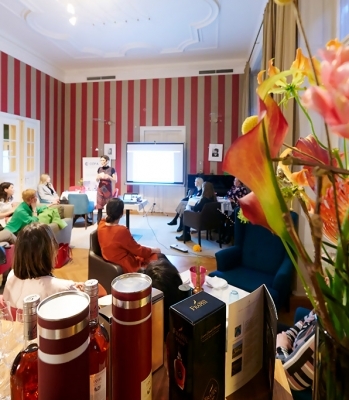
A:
(30, 330)
(93, 310)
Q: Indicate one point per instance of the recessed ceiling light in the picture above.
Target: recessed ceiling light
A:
(72, 20)
(70, 8)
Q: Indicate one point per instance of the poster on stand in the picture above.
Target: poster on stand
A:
(90, 166)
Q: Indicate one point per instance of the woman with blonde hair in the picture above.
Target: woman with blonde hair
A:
(26, 213)
(46, 191)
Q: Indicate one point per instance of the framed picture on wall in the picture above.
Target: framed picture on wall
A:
(215, 152)
(110, 150)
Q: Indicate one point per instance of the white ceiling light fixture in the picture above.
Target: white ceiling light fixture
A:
(70, 8)
(72, 20)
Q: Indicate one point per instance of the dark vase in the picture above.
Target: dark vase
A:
(331, 370)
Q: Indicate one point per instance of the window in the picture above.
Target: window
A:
(343, 19)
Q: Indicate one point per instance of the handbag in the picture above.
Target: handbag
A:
(64, 255)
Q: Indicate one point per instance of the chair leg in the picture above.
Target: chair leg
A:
(199, 237)
(86, 215)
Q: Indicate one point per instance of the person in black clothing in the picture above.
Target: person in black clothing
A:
(106, 177)
(208, 196)
(183, 203)
(165, 277)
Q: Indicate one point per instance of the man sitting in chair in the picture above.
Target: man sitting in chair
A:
(208, 196)
(183, 203)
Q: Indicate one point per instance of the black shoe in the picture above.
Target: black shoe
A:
(181, 238)
(180, 228)
(173, 222)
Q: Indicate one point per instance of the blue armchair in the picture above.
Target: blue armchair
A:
(82, 206)
(257, 257)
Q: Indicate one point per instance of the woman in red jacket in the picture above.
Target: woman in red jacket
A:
(117, 244)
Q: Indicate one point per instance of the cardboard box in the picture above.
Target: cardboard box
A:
(196, 348)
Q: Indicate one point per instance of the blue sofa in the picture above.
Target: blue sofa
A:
(257, 257)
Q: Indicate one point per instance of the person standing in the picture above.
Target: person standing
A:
(105, 176)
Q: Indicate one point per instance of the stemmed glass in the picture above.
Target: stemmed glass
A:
(6, 329)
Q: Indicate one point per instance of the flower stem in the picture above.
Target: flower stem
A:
(310, 121)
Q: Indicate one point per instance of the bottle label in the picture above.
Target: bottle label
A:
(146, 388)
(98, 385)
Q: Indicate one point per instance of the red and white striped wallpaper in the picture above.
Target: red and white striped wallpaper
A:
(67, 113)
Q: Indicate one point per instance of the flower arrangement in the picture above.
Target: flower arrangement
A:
(321, 184)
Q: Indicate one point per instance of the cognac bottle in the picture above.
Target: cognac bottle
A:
(24, 371)
(179, 371)
(99, 346)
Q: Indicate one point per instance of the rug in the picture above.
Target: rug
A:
(152, 231)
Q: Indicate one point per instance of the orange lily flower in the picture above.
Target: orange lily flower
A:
(249, 159)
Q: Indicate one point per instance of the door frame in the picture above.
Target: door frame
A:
(19, 177)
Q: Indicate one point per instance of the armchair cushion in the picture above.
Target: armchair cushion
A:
(100, 269)
(256, 240)
(67, 212)
(258, 257)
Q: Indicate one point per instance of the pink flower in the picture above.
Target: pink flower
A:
(331, 100)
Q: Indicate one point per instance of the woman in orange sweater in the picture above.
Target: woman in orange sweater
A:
(117, 244)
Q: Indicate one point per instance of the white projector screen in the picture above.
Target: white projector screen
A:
(155, 163)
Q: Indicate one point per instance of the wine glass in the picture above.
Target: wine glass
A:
(6, 344)
(18, 326)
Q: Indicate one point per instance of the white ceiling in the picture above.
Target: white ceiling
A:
(130, 38)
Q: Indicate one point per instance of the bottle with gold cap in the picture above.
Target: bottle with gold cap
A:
(99, 346)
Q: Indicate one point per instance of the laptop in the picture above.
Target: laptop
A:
(130, 198)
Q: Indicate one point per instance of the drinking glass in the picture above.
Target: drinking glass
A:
(18, 326)
(233, 296)
(203, 271)
(6, 329)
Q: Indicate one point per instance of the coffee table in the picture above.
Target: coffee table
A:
(221, 294)
(134, 207)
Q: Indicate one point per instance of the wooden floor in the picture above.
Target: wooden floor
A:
(77, 271)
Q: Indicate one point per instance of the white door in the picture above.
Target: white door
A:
(20, 155)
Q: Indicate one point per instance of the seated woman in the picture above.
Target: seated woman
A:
(34, 259)
(7, 206)
(165, 277)
(295, 349)
(117, 244)
(46, 191)
(183, 203)
(236, 192)
(208, 196)
(26, 213)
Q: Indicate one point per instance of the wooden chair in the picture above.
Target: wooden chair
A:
(206, 220)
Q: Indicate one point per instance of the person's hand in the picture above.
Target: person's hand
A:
(156, 250)
(282, 340)
(33, 202)
(80, 285)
